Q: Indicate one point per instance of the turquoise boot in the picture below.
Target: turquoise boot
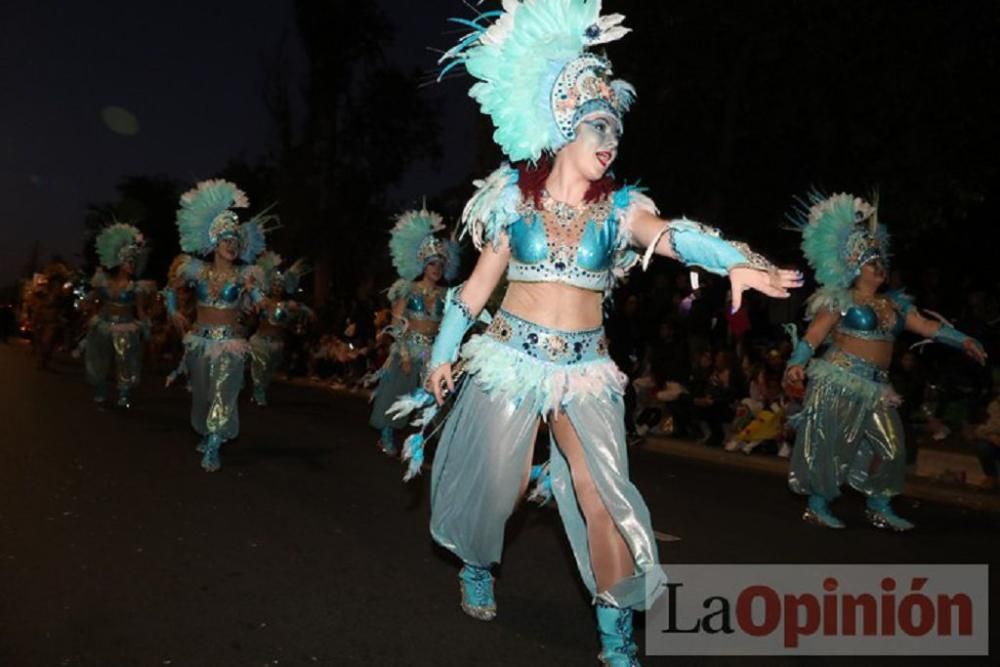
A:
(386, 441)
(818, 513)
(879, 513)
(476, 584)
(614, 625)
(210, 462)
(123, 400)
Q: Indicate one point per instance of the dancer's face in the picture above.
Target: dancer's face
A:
(434, 270)
(595, 146)
(128, 269)
(228, 249)
(872, 274)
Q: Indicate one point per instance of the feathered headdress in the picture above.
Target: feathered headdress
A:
(119, 243)
(270, 262)
(206, 217)
(537, 80)
(413, 243)
(840, 234)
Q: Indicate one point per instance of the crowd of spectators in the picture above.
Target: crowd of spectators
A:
(696, 370)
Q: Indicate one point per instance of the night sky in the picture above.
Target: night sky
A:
(741, 106)
(192, 75)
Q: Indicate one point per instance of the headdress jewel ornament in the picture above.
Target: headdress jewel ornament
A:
(537, 80)
(413, 244)
(840, 234)
(206, 217)
(119, 243)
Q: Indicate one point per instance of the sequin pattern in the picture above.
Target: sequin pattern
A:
(559, 347)
(561, 243)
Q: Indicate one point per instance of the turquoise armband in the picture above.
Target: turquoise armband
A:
(698, 245)
(952, 337)
(802, 353)
(456, 322)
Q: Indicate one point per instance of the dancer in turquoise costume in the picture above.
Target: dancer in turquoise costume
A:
(563, 232)
(226, 285)
(113, 346)
(422, 261)
(849, 431)
(277, 316)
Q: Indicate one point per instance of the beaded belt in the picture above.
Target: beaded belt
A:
(415, 338)
(217, 331)
(551, 345)
(855, 365)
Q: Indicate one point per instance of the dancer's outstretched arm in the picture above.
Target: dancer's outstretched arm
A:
(695, 244)
(942, 332)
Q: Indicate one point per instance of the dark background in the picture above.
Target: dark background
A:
(319, 105)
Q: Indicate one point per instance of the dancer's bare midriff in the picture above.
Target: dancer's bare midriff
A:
(425, 327)
(218, 316)
(555, 305)
(878, 352)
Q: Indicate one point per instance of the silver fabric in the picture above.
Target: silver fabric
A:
(215, 368)
(266, 355)
(848, 432)
(483, 459)
(395, 384)
(113, 349)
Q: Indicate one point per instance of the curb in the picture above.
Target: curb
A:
(916, 487)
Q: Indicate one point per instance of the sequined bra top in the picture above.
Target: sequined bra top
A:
(222, 294)
(883, 319)
(123, 297)
(278, 314)
(564, 244)
(119, 298)
(588, 246)
(417, 306)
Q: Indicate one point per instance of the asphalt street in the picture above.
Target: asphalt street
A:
(116, 549)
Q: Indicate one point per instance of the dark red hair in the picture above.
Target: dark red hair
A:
(532, 177)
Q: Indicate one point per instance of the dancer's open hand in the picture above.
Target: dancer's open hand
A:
(774, 283)
(975, 350)
(795, 375)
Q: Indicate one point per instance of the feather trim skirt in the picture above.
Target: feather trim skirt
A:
(519, 373)
(394, 383)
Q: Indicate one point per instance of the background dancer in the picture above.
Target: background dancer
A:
(215, 348)
(114, 337)
(849, 430)
(276, 316)
(422, 261)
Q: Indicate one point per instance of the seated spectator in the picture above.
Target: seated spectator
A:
(985, 437)
(659, 385)
(764, 411)
(713, 401)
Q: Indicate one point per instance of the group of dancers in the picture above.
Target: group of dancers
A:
(227, 279)
(555, 222)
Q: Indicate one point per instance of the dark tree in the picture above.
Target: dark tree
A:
(364, 122)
